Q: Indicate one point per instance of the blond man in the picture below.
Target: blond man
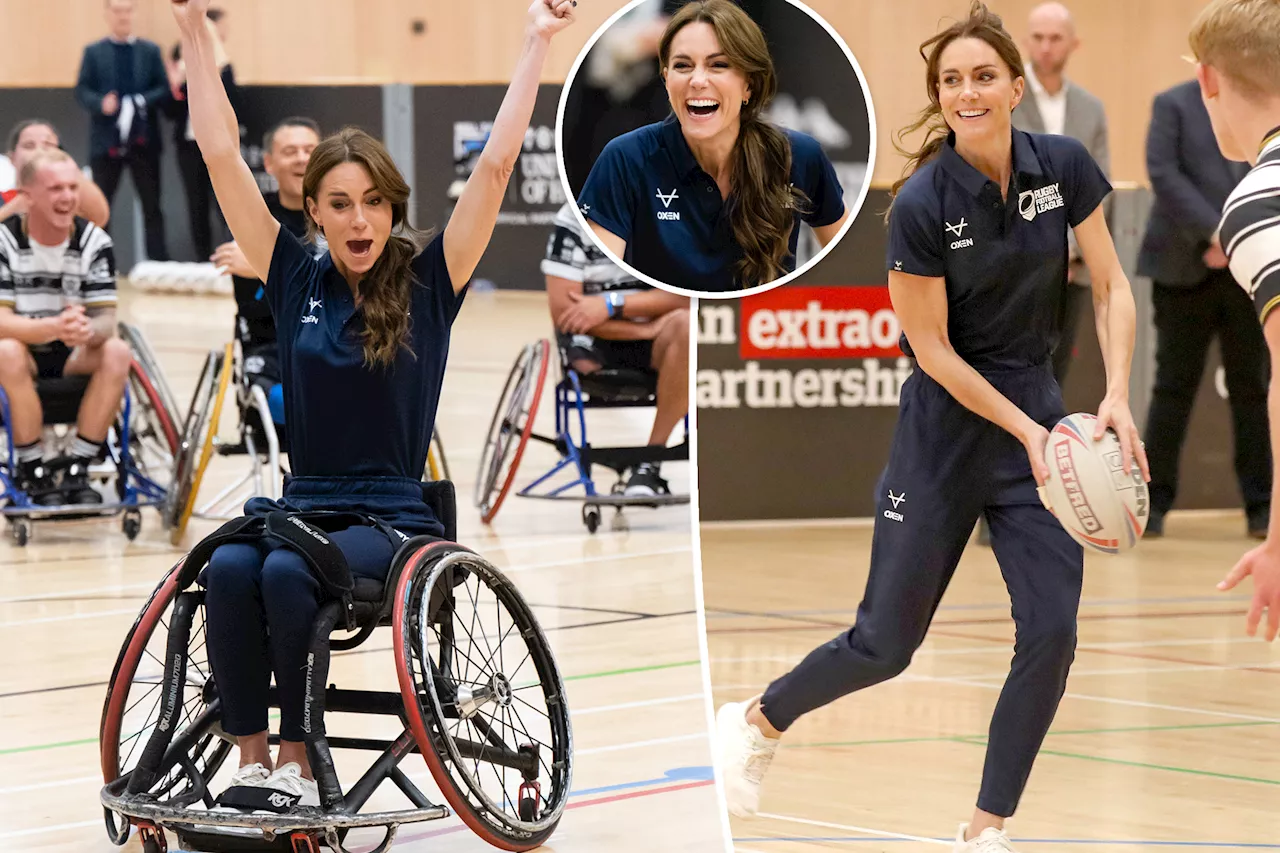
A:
(1237, 48)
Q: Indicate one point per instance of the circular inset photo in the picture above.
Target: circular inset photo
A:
(716, 148)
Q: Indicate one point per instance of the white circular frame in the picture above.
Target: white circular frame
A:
(854, 208)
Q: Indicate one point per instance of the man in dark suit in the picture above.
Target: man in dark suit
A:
(1195, 298)
(122, 83)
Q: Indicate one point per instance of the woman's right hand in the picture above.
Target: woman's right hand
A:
(1034, 439)
(189, 14)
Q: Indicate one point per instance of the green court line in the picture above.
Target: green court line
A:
(1186, 770)
(584, 677)
(982, 738)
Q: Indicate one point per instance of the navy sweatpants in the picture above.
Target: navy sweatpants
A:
(947, 465)
(261, 603)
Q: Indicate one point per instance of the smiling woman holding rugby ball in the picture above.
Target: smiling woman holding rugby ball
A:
(711, 198)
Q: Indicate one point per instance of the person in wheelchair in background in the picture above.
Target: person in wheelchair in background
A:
(607, 320)
(28, 138)
(363, 340)
(286, 151)
(57, 318)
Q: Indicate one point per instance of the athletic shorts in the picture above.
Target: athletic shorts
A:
(262, 366)
(610, 355)
(50, 359)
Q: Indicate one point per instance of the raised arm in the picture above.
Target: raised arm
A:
(467, 235)
(217, 132)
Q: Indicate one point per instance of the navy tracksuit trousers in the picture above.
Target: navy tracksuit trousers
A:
(947, 466)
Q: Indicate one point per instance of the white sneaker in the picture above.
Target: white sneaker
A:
(288, 779)
(991, 840)
(249, 776)
(744, 755)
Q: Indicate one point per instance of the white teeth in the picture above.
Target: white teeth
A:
(972, 113)
(702, 102)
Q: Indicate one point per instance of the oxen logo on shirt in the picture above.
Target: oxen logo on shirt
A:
(666, 199)
(1033, 202)
(312, 318)
(958, 230)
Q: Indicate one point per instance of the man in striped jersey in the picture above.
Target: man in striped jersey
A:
(1237, 47)
(57, 317)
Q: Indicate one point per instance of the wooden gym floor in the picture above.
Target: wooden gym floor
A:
(1167, 737)
(618, 607)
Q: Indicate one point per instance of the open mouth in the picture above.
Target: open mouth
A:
(360, 248)
(972, 115)
(702, 107)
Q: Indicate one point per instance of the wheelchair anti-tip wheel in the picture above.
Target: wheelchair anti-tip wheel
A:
(196, 446)
(132, 709)
(483, 697)
(510, 428)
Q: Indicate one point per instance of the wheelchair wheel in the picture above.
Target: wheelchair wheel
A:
(196, 446)
(510, 428)
(437, 464)
(483, 696)
(145, 358)
(154, 436)
(132, 707)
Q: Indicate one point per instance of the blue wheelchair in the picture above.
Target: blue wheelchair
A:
(140, 447)
(511, 430)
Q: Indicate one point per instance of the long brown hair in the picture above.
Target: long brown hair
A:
(385, 288)
(981, 24)
(763, 203)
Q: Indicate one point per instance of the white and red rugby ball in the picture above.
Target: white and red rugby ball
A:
(1099, 505)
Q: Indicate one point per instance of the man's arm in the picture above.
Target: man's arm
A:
(568, 314)
(87, 93)
(1176, 191)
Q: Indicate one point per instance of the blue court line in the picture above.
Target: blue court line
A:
(679, 774)
(1217, 845)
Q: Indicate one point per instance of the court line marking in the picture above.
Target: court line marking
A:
(617, 747)
(23, 833)
(879, 833)
(1213, 845)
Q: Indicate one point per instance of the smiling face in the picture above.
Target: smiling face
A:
(291, 149)
(32, 140)
(976, 91)
(705, 90)
(54, 190)
(353, 215)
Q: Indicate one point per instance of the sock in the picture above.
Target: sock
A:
(82, 448)
(33, 452)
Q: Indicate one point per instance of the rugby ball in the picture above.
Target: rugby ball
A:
(1097, 503)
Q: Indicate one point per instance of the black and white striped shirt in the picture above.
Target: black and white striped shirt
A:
(1250, 229)
(572, 255)
(39, 281)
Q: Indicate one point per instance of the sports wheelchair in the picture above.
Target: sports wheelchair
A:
(261, 440)
(140, 446)
(511, 428)
(480, 698)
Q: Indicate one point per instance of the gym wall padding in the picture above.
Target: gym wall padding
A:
(795, 420)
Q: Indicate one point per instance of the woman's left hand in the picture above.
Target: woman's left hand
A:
(548, 17)
(1115, 413)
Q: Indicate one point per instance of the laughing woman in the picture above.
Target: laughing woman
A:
(363, 335)
(731, 187)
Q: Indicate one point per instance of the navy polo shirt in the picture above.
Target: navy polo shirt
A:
(647, 188)
(345, 419)
(1005, 263)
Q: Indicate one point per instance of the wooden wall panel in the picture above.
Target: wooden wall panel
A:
(1130, 50)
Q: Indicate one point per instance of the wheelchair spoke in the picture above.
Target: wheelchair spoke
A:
(532, 740)
(475, 611)
(154, 687)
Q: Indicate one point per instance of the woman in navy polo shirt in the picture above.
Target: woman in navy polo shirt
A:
(363, 334)
(711, 198)
(977, 260)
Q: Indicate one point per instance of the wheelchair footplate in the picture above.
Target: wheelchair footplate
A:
(207, 830)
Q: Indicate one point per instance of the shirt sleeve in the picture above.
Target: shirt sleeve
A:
(817, 179)
(1084, 182)
(289, 272)
(566, 255)
(432, 273)
(608, 196)
(8, 296)
(915, 244)
(99, 286)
